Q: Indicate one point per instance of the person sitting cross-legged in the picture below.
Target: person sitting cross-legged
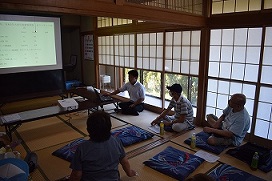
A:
(183, 117)
(136, 93)
(233, 124)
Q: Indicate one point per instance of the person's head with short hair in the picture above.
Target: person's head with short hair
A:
(134, 73)
(175, 89)
(99, 126)
(237, 102)
(133, 76)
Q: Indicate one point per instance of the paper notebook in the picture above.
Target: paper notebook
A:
(154, 128)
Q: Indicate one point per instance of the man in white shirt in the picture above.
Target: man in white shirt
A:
(136, 93)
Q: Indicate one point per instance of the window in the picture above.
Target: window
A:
(181, 60)
(264, 114)
(189, 86)
(263, 126)
(106, 22)
(182, 52)
(105, 49)
(150, 51)
(124, 50)
(234, 64)
(190, 6)
(231, 6)
(152, 83)
(267, 4)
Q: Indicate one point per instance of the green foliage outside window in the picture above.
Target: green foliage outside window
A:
(152, 83)
(189, 86)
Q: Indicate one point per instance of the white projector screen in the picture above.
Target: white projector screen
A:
(29, 43)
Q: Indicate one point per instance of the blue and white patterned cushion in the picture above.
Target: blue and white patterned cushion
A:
(201, 142)
(128, 136)
(67, 152)
(227, 172)
(132, 134)
(174, 163)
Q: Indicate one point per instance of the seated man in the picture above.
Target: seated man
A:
(183, 117)
(233, 124)
(136, 92)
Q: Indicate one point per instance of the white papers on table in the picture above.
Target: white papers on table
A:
(10, 118)
(154, 128)
(207, 156)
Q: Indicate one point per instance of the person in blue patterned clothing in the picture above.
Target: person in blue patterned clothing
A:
(233, 124)
(183, 117)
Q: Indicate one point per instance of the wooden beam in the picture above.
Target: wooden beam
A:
(105, 9)
(243, 19)
(141, 27)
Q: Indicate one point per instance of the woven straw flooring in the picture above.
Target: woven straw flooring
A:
(47, 135)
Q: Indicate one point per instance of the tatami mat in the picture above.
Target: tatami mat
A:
(225, 158)
(37, 176)
(53, 167)
(78, 120)
(46, 132)
(143, 121)
(180, 139)
(47, 135)
(145, 173)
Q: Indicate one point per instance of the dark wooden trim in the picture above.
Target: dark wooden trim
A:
(262, 142)
(144, 27)
(203, 76)
(241, 19)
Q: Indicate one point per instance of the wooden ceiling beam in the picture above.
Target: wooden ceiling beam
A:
(105, 8)
(243, 19)
(141, 27)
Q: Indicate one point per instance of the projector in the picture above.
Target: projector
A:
(68, 104)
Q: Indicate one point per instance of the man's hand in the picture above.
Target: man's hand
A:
(208, 129)
(132, 173)
(155, 121)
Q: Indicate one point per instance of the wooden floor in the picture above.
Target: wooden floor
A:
(47, 135)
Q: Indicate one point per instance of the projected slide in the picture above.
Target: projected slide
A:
(29, 43)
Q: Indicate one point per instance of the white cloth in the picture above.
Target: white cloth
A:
(135, 91)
